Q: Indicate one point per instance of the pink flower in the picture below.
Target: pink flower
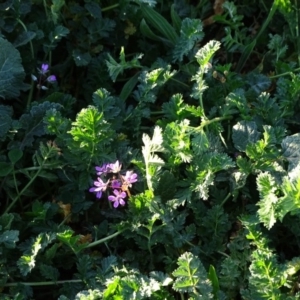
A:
(99, 187)
(118, 198)
(130, 178)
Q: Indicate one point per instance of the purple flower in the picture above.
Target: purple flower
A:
(118, 198)
(99, 187)
(115, 184)
(115, 168)
(44, 69)
(130, 178)
(51, 78)
(102, 169)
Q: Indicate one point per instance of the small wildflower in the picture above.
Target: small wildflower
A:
(99, 187)
(130, 178)
(118, 198)
(115, 184)
(116, 167)
(44, 69)
(51, 78)
(102, 169)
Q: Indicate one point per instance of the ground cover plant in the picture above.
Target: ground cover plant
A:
(149, 149)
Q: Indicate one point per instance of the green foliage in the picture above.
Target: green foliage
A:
(191, 277)
(12, 72)
(188, 112)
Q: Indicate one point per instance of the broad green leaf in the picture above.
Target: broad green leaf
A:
(81, 59)
(5, 120)
(9, 238)
(15, 155)
(5, 168)
(159, 22)
(244, 133)
(24, 38)
(291, 151)
(11, 70)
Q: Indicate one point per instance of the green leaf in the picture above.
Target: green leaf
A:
(115, 68)
(177, 141)
(9, 238)
(267, 189)
(56, 8)
(191, 277)
(49, 272)
(33, 122)
(11, 71)
(5, 120)
(191, 32)
(5, 169)
(24, 38)
(128, 87)
(290, 201)
(81, 59)
(147, 32)
(159, 23)
(175, 18)
(212, 276)
(244, 133)
(166, 187)
(15, 155)
(205, 54)
(152, 161)
(291, 151)
(28, 260)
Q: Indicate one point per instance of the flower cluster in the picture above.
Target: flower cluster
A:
(109, 177)
(43, 77)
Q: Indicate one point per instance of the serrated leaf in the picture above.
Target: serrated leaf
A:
(9, 238)
(11, 70)
(244, 133)
(49, 272)
(166, 186)
(190, 34)
(267, 189)
(291, 151)
(191, 275)
(33, 122)
(204, 54)
(290, 202)
(81, 59)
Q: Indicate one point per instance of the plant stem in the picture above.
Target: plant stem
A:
(284, 74)
(110, 7)
(43, 283)
(208, 122)
(104, 239)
